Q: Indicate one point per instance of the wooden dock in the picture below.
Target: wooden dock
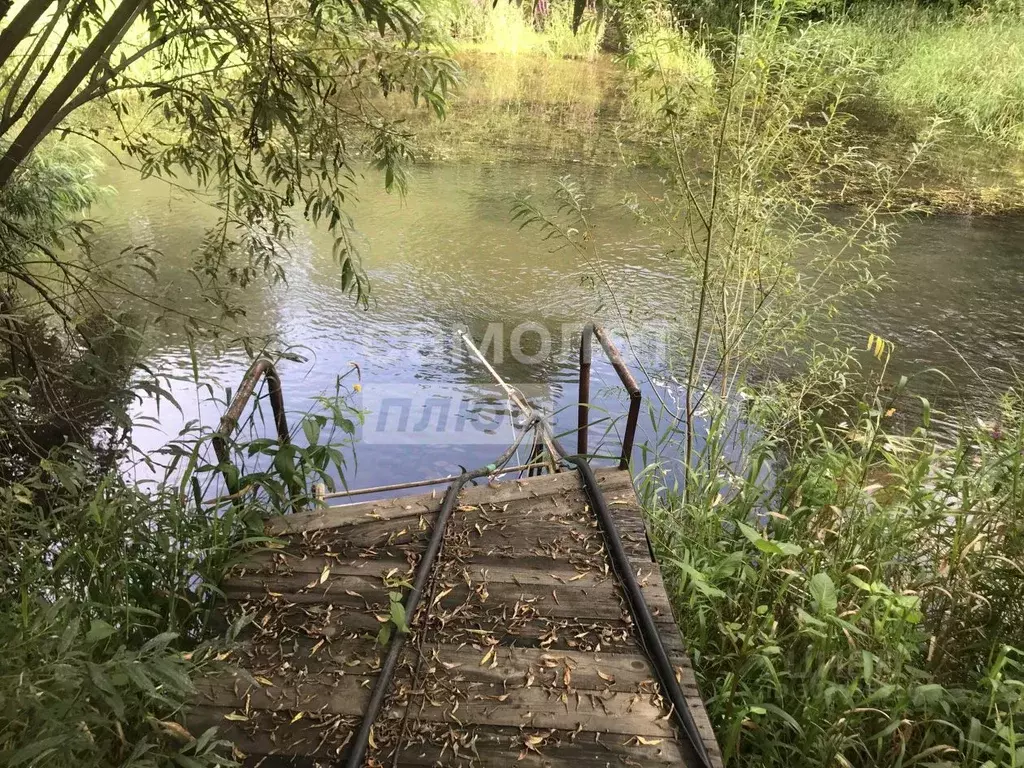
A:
(522, 653)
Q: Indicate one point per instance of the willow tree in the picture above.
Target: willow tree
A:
(270, 108)
(264, 103)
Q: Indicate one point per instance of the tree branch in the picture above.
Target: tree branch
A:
(20, 26)
(48, 114)
(10, 119)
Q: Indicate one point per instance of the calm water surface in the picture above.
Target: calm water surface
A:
(448, 256)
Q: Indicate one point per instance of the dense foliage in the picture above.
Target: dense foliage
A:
(852, 596)
(268, 111)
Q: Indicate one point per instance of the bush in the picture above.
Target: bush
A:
(850, 596)
(107, 605)
(110, 594)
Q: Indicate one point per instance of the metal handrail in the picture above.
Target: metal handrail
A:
(263, 367)
(583, 413)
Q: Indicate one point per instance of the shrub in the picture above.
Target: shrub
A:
(851, 596)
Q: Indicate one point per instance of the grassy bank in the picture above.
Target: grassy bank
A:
(851, 595)
(965, 68)
(531, 90)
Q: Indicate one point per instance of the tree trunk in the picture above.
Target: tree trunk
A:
(45, 118)
(20, 25)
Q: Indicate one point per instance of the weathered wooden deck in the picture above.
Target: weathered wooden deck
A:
(522, 653)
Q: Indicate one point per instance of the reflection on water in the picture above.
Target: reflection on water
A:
(956, 307)
(448, 257)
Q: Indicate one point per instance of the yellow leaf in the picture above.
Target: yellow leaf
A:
(264, 681)
(234, 716)
(325, 573)
(298, 716)
(605, 677)
(176, 729)
(487, 656)
(648, 742)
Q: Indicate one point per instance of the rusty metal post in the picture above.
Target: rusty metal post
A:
(631, 387)
(630, 435)
(583, 413)
(229, 421)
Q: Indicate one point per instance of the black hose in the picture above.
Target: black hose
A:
(638, 609)
(387, 671)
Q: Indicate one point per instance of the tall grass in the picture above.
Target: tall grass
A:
(104, 619)
(966, 66)
(513, 29)
(850, 595)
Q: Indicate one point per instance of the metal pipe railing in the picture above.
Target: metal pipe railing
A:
(262, 368)
(635, 396)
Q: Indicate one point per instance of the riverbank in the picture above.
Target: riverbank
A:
(533, 96)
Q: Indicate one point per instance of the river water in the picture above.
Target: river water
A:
(449, 257)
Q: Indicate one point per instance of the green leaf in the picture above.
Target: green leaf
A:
(823, 594)
(767, 546)
(160, 641)
(752, 535)
(98, 630)
(284, 462)
(788, 548)
(398, 617)
(930, 693)
(35, 749)
(868, 660)
(311, 428)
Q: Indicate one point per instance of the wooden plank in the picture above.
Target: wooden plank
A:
(608, 712)
(291, 561)
(335, 692)
(266, 732)
(280, 619)
(508, 667)
(429, 503)
(353, 594)
(321, 576)
(604, 711)
(484, 746)
(304, 744)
